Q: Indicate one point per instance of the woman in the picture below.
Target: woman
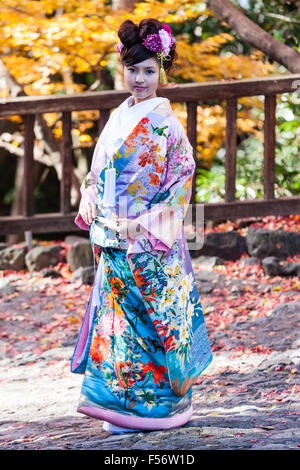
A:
(143, 341)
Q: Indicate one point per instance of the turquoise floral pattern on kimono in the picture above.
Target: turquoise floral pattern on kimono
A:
(126, 366)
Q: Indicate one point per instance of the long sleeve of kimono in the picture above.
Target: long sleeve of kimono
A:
(168, 208)
(88, 186)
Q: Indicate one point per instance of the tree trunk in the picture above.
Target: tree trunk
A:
(253, 34)
(17, 205)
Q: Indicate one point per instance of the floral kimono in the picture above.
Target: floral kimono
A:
(143, 341)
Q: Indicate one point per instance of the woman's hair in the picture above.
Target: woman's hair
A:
(132, 35)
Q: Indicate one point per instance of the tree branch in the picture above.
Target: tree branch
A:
(283, 18)
(253, 34)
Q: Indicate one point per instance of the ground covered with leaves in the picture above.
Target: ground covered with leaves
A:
(248, 398)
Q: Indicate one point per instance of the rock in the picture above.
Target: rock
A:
(42, 256)
(226, 245)
(208, 261)
(70, 341)
(12, 258)
(74, 239)
(250, 261)
(7, 290)
(287, 308)
(297, 269)
(296, 345)
(4, 282)
(280, 358)
(6, 287)
(205, 288)
(264, 243)
(84, 274)
(80, 255)
(290, 269)
(273, 266)
(206, 276)
(50, 273)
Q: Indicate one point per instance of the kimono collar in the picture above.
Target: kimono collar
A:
(125, 118)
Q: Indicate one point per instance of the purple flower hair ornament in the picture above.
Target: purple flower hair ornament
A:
(120, 46)
(161, 42)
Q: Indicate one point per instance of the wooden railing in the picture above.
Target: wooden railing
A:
(193, 95)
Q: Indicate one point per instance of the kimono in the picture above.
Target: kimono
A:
(143, 341)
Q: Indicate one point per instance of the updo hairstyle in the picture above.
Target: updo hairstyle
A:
(134, 51)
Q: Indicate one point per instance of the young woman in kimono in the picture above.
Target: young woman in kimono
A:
(143, 341)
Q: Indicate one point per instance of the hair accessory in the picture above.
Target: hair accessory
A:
(120, 46)
(160, 43)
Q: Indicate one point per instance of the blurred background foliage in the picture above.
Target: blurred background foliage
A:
(69, 46)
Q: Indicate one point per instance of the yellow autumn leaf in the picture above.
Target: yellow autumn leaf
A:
(73, 319)
(85, 138)
(45, 340)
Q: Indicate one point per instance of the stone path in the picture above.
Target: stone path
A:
(248, 398)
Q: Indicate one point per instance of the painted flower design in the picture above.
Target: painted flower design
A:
(184, 333)
(99, 349)
(168, 296)
(125, 374)
(187, 284)
(117, 286)
(111, 324)
(156, 371)
(154, 179)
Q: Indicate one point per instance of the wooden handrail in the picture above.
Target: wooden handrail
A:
(109, 99)
(193, 95)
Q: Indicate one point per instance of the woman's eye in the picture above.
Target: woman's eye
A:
(149, 71)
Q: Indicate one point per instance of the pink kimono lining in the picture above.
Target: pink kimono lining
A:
(136, 422)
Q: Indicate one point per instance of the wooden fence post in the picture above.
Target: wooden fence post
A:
(104, 116)
(192, 136)
(67, 164)
(230, 158)
(28, 203)
(269, 146)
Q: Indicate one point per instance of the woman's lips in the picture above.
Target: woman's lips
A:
(139, 88)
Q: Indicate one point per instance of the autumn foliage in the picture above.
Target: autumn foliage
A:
(59, 46)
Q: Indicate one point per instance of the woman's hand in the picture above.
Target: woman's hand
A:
(129, 228)
(88, 212)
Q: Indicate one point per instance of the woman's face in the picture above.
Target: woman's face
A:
(142, 79)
